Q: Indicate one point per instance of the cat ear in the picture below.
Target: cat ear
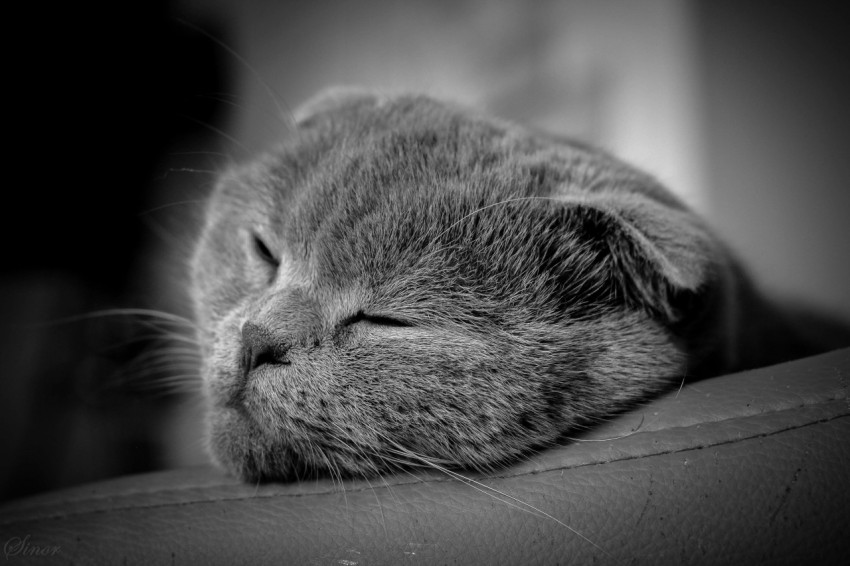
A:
(657, 257)
(334, 99)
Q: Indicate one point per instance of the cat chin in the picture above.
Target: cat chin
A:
(237, 446)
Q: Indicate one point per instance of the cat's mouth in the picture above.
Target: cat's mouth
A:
(294, 449)
(235, 390)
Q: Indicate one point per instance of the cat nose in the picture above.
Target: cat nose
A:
(260, 347)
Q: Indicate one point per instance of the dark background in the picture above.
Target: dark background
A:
(108, 105)
(118, 114)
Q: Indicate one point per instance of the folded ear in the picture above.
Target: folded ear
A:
(653, 256)
(334, 99)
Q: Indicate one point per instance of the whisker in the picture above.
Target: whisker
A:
(500, 203)
(233, 101)
(210, 153)
(626, 435)
(181, 384)
(173, 204)
(281, 106)
(511, 500)
(117, 312)
(408, 458)
(218, 131)
(682, 384)
(170, 170)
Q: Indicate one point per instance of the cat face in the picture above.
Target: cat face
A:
(406, 281)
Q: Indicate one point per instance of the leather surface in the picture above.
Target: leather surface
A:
(749, 468)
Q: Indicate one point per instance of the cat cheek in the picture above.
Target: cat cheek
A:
(219, 363)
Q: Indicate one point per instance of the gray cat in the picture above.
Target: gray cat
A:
(407, 281)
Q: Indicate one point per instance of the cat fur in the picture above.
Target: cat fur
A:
(406, 276)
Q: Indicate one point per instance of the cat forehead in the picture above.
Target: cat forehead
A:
(410, 139)
(422, 136)
(364, 163)
(408, 162)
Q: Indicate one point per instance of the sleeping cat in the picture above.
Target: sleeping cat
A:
(409, 281)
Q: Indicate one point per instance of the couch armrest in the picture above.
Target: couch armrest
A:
(738, 469)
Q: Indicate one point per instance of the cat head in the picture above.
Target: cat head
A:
(406, 281)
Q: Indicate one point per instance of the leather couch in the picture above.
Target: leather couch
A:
(750, 468)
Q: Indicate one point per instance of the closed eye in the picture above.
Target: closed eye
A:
(263, 252)
(376, 319)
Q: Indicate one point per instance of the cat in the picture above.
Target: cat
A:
(409, 281)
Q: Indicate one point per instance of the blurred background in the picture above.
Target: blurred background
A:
(120, 114)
